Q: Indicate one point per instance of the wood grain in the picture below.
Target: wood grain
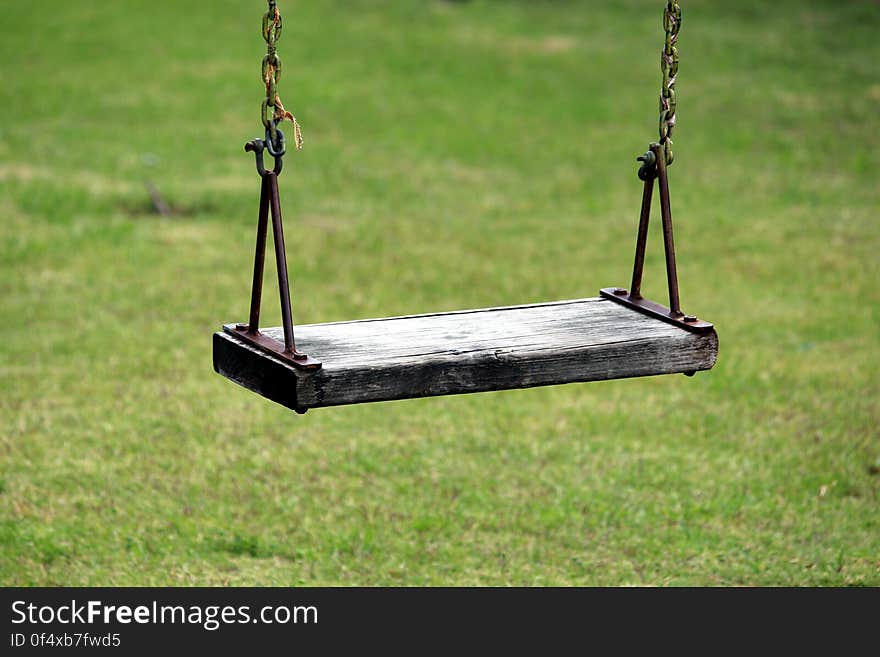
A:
(466, 351)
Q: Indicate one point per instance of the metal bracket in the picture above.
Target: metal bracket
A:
(654, 168)
(250, 332)
(687, 322)
(273, 347)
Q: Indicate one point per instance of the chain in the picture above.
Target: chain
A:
(669, 66)
(273, 111)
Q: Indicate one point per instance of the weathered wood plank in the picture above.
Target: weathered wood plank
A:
(467, 351)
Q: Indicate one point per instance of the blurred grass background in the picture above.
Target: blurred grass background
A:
(457, 155)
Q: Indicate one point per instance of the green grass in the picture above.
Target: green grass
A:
(457, 155)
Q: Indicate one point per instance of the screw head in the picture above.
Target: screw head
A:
(690, 319)
(620, 291)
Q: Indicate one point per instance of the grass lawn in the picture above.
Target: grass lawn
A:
(457, 155)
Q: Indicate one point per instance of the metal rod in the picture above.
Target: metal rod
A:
(668, 242)
(635, 289)
(281, 262)
(259, 258)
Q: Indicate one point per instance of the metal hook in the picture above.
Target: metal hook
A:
(270, 145)
(257, 146)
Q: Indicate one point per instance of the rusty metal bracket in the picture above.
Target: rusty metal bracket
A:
(654, 168)
(250, 332)
(687, 322)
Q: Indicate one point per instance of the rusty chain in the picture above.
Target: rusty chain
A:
(669, 66)
(273, 111)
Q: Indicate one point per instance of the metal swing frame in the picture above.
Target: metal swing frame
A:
(654, 169)
(270, 201)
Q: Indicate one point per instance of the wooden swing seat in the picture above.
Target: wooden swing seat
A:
(465, 351)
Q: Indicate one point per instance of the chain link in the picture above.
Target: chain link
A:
(669, 66)
(273, 111)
